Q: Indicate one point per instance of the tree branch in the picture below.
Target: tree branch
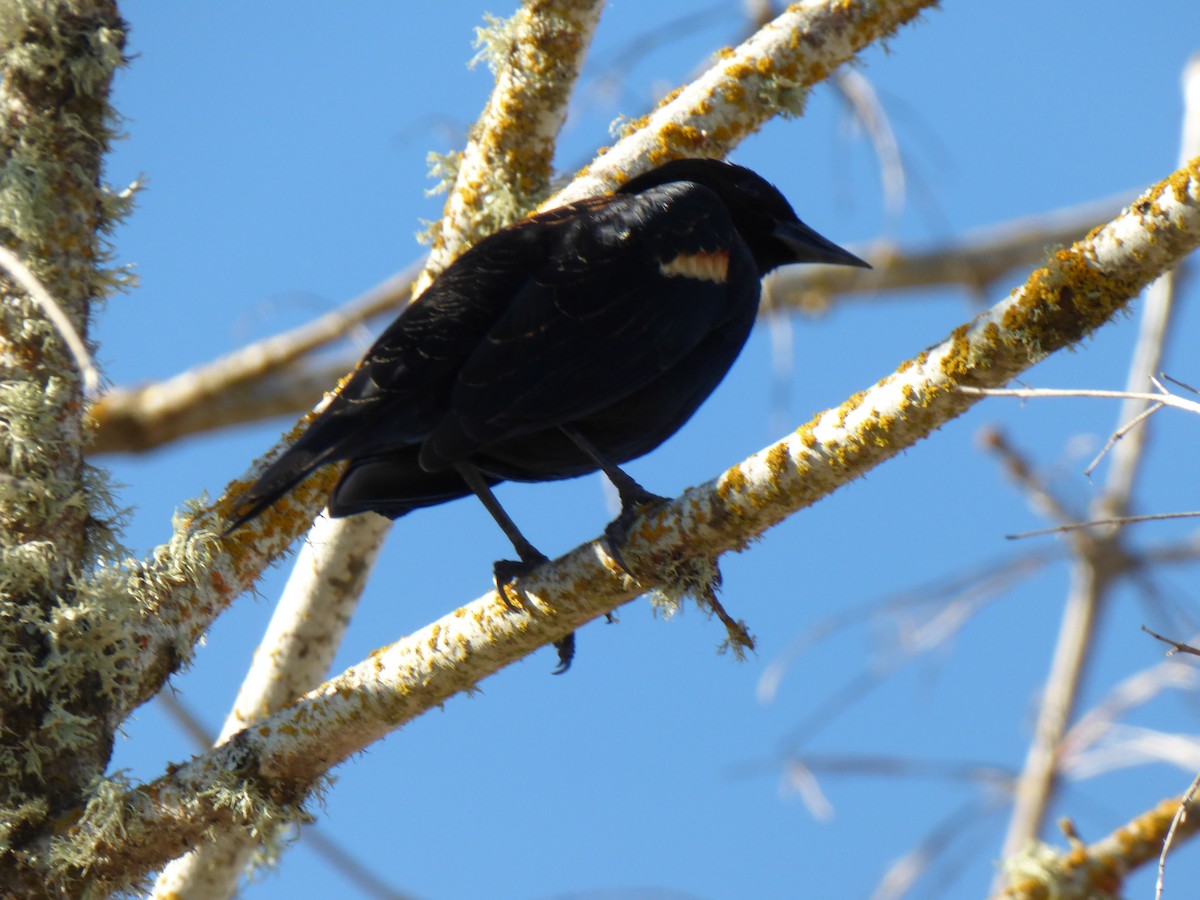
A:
(61, 645)
(1100, 560)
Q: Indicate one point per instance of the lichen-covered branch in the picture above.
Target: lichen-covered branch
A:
(505, 169)
(769, 74)
(305, 631)
(60, 642)
(1078, 290)
(1096, 870)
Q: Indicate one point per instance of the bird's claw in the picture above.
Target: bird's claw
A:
(566, 653)
(505, 571)
(616, 533)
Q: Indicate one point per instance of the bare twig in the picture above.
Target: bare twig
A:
(61, 321)
(1119, 434)
(1165, 398)
(861, 96)
(1098, 523)
(1178, 819)
(1176, 646)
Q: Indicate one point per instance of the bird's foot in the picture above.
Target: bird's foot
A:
(506, 571)
(566, 653)
(616, 533)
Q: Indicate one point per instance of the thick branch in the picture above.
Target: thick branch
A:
(769, 74)
(60, 644)
(505, 169)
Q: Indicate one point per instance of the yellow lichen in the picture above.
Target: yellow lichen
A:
(956, 361)
(732, 482)
(778, 461)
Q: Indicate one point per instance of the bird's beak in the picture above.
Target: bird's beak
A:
(809, 247)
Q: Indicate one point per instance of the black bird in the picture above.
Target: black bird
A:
(575, 340)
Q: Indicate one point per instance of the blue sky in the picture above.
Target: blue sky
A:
(285, 154)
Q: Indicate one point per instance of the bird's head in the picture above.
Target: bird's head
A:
(762, 215)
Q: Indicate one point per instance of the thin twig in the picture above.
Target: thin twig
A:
(1178, 819)
(1165, 398)
(1096, 523)
(59, 319)
(1176, 646)
(1021, 471)
(1120, 433)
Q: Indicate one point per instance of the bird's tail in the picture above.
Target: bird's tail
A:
(296, 464)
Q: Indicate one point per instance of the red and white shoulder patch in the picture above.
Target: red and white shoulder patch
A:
(702, 266)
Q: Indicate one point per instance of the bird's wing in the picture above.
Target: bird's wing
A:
(626, 292)
(403, 384)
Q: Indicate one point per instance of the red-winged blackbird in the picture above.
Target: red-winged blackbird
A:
(575, 340)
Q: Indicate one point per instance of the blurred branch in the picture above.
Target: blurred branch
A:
(1099, 869)
(253, 383)
(861, 95)
(1101, 557)
(976, 586)
(975, 262)
(1022, 472)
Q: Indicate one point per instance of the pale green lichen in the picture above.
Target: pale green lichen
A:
(699, 578)
(495, 40)
(61, 645)
(1040, 863)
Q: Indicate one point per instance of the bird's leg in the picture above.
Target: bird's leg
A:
(634, 497)
(505, 570)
